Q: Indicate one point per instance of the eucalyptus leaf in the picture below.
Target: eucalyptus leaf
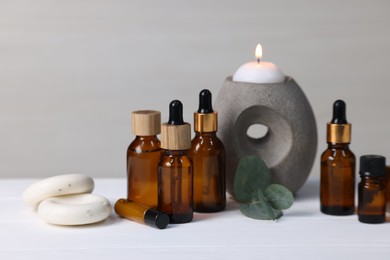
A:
(278, 196)
(252, 174)
(257, 210)
(265, 204)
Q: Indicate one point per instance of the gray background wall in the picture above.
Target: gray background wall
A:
(72, 71)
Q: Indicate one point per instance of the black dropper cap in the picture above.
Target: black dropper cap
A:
(372, 165)
(175, 113)
(339, 112)
(205, 105)
(156, 219)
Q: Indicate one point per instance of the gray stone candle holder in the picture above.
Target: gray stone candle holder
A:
(290, 144)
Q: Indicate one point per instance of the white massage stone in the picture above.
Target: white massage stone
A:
(79, 209)
(57, 186)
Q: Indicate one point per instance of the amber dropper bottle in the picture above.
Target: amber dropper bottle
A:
(208, 156)
(337, 191)
(175, 178)
(372, 191)
(141, 214)
(143, 156)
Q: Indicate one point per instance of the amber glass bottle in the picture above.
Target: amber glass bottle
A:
(387, 185)
(208, 156)
(372, 191)
(143, 156)
(337, 191)
(175, 177)
(141, 214)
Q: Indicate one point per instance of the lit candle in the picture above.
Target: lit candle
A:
(259, 71)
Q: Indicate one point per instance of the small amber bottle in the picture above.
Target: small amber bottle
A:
(175, 177)
(208, 156)
(141, 214)
(143, 156)
(337, 191)
(387, 185)
(372, 191)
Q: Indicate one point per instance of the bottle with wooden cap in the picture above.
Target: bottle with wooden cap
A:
(143, 156)
(337, 191)
(175, 178)
(372, 189)
(208, 156)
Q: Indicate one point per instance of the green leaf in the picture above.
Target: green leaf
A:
(279, 196)
(252, 174)
(265, 205)
(260, 210)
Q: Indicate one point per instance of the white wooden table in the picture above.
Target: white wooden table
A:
(302, 233)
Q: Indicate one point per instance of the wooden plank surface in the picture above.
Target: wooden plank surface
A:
(302, 233)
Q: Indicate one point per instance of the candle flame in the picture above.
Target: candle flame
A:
(259, 52)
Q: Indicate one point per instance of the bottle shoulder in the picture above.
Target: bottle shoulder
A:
(338, 150)
(343, 156)
(204, 142)
(372, 183)
(144, 145)
(175, 159)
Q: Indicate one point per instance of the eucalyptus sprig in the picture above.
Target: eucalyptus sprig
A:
(253, 189)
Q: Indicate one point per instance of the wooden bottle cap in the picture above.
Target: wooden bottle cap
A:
(146, 122)
(176, 137)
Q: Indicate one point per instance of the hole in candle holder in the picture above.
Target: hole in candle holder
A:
(257, 131)
(275, 144)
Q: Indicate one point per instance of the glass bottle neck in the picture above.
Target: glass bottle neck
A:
(338, 146)
(176, 152)
(206, 134)
(146, 138)
(373, 179)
